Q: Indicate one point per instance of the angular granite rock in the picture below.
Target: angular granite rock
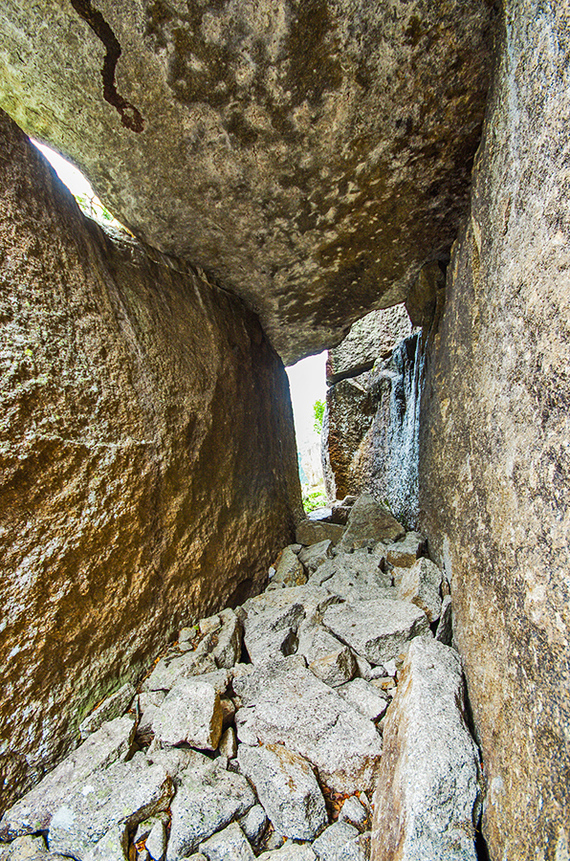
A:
(272, 633)
(287, 788)
(227, 651)
(290, 852)
(354, 577)
(420, 585)
(328, 658)
(206, 800)
(283, 702)
(426, 802)
(190, 714)
(34, 811)
(369, 523)
(330, 845)
(230, 844)
(364, 697)
(354, 812)
(289, 571)
(444, 633)
(254, 824)
(315, 554)
(377, 630)
(405, 552)
(109, 800)
(314, 532)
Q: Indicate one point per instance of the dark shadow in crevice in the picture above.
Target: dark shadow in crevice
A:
(130, 116)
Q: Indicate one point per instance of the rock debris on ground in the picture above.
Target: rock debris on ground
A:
(318, 720)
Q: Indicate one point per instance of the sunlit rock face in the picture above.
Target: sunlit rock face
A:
(148, 472)
(494, 456)
(310, 155)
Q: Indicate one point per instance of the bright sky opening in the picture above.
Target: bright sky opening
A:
(308, 384)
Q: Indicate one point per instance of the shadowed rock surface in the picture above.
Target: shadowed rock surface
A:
(147, 458)
(494, 458)
(311, 155)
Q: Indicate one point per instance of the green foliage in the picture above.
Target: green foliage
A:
(93, 207)
(318, 412)
(313, 500)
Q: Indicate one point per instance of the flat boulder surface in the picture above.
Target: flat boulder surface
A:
(378, 630)
(284, 703)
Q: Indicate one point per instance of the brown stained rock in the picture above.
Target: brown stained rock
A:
(494, 467)
(312, 156)
(133, 391)
(349, 415)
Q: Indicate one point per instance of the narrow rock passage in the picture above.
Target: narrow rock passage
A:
(323, 719)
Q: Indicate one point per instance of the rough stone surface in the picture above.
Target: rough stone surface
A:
(112, 707)
(206, 800)
(272, 633)
(350, 410)
(313, 532)
(315, 555)
(190, 714)
(289, 571)
(231, 844)
(369, 523)
(377, 630)
(254, 824)
(329, 846)
(124, 376)
(496, 441)
(28, 849)
(420, 585)
(285, 703)
(371, 436)
(354, 812)
(427, 799)
(354, 577)
(291, 852)
(34, 811)
(407, 551)
(444, 631)
(370, 338)
(287, 788)
(111, 799)
(227, 650)
(364, 697)
(313, 188)
(328, 658)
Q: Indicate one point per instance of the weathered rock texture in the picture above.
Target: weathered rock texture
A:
(371, 425)
(311, 155)
(426, 804)
(494, 463)
(147, 459)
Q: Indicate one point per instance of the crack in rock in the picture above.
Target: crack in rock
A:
(130, 116)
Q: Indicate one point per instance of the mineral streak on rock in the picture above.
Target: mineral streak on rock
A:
(147, 458)
(311, 155)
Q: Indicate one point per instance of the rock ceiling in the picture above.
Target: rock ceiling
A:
(310, 155)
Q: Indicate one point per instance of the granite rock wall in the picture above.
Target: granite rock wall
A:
(148, 471)
(494, 455)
